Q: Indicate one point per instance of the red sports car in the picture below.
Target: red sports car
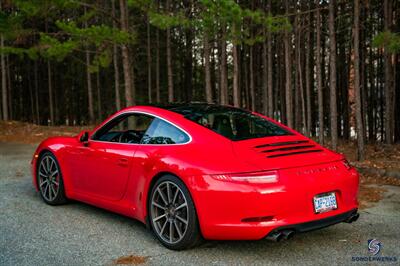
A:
(192, 171)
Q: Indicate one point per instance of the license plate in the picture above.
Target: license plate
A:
(325, 202)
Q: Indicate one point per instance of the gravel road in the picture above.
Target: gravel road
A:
(33, 233)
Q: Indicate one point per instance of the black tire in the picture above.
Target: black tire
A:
(53, 194)
(191, 235)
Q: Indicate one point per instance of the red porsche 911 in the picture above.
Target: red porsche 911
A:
(193, 171)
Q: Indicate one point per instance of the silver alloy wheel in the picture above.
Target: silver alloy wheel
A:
(49, 178)
(169, 212)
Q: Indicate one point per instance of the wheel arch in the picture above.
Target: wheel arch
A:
(57, 155)
(40, 154)
(147, 192)
(149, 188)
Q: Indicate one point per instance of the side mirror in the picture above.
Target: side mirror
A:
(84, 137)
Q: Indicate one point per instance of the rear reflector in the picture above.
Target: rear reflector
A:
(257, 219)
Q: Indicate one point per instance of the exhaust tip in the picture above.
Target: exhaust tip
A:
(275, 236)
(281, 235)
(354, 217)
(288, 234)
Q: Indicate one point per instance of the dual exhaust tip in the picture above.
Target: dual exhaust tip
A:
(281, 235)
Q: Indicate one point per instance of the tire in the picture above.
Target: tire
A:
(169, 207)
(49, 180)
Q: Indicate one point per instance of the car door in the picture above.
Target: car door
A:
(106, 160)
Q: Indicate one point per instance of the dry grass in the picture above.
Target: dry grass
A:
(371, 190)
(377, 156)
(369, 195)
(13, 131)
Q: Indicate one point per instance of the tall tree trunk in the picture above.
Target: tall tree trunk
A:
(115, 63)
(89, 88)
(4, 82)
(288, 74)
(36, 93)
(223, 68)
(116, 78)
(397, 100)
(308, 52)
(98, 87)
(319, 77)
(207, 71)
(359, 120)
(246, 79)
(236, 89)
(30, 85)
(89, 83)
(9, 87)
(50, 87)
(265, 76)
(300, 78)
(125, 55)
(269, 68)
(188, 66)
(389, 95)
(251, 81)
(149, 89)
(332, 77)
(158, 66)
(169, 62)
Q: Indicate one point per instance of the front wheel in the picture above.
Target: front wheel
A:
(172, 214)
(49, 178)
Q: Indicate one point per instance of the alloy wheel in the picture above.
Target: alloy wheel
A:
(49, 178)
(169, 212)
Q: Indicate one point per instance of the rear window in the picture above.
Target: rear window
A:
(233, 123)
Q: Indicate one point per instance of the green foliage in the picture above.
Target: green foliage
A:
(388, 40)
(212, 15)
(43, 8)
(95, 34)
(11, 25)
(31, 52)
(239, 21)
(52, 48)
(165, 21)
(102, 59)
(66, 35)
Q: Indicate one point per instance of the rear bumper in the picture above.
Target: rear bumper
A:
(349, 217)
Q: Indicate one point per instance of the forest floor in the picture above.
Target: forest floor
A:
(382, 166)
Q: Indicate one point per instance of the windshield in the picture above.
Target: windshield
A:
(230, 122)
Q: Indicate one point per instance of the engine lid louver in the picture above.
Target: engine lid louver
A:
(287, 148)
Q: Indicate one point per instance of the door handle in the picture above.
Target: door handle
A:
(123, 162)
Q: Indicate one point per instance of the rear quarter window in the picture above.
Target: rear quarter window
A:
(162, 132)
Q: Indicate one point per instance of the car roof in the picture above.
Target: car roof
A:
(197, 107)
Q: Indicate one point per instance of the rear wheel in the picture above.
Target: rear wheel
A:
(49, 178)
(172, 214)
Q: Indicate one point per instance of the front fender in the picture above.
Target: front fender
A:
(58, 146)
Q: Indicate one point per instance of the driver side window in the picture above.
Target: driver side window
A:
(128, 128)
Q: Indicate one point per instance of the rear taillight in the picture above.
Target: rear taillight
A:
(255, 177)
